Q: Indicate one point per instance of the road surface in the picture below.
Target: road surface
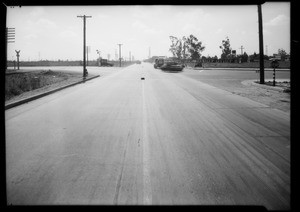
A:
(168, 139)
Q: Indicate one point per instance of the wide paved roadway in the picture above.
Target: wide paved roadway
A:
(168, 139)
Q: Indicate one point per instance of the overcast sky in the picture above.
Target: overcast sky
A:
(55, 32)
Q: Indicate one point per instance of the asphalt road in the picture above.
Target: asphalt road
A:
(168, 139)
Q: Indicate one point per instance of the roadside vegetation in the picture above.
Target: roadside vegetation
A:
(18, 83)
(66, 63)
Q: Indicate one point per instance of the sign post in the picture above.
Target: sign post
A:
(18, 55)
(274, 65)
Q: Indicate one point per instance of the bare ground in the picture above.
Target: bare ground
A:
(278, 99)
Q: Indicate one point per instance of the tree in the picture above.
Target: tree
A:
(194, 47)
(244, 57)
(256, 57)
(282, 52)
(185, 52)
(176, 47)
(186, 47)
(226, 50)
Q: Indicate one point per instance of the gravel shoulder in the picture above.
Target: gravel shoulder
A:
(274, 97)
(266, 94)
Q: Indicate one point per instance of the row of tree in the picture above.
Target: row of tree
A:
(186, 47)
(190, 48)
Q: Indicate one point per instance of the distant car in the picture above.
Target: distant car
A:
(158, 62)
(104, 62)
(138, 62)
(171, 65)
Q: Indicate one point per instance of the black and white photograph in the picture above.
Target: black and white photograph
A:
(148, 105)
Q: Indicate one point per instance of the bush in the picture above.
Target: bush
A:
(15, 84)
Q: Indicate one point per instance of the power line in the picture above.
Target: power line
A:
(9, 38)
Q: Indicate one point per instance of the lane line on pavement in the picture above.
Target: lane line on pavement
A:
(147, 197)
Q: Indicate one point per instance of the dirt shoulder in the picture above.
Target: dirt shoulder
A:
(278, 97)
(20, 86)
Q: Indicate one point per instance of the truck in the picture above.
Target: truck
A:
(104, 62)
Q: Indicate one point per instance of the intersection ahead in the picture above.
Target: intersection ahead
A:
(168, 139)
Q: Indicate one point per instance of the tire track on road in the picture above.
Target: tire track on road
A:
(147, 193)
(115, 202)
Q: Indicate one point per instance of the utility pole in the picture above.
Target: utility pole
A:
(241, 50)
(267, 50)
(120, 52)
(99, 61)
(18, 55)
(84, 44)
(129, 56)
(261, 46)
(87, 55)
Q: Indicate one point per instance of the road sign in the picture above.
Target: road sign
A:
(274, 64)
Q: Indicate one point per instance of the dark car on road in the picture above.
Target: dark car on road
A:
(172, 65)
(158, 62)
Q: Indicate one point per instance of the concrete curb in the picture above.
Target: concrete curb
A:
(22, 101)
(253, 82)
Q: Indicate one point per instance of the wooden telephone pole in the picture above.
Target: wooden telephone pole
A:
(120, 58)
(261, 47)
(84, 44)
